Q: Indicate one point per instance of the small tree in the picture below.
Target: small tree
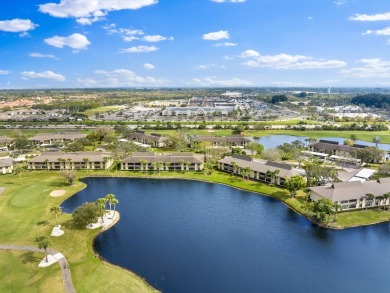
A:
(85, 214)
(114, 203)
(369, 198)
(43, 243)
(110, 198)
(376, 140)
(69, 176)
(101, 203)
(294, 184)
(56, 210)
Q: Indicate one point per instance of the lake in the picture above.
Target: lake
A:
(272, 141)
(188, 236)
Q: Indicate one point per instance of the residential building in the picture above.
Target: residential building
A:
(156, 140)
(259, 170)
(232, 140)
(55, 138)
(6, 166)
(353, 194)
(171, 162)
(71, 161)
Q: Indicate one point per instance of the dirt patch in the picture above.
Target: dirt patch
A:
(2, 189)
(57, 193)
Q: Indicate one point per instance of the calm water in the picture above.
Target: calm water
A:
(187, 236)
(272, 141)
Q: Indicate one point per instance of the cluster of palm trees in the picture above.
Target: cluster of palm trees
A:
(246, 171)
(102, 203)
(159, 166)
(370, 198)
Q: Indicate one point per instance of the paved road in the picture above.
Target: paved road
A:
(68, 284)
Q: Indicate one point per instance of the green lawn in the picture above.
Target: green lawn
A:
(362, 217)
(104, 109)
(24, 212)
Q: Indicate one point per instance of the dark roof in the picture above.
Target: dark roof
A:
(142, 135)
(279, 165)
(242, 157)
(328, 141)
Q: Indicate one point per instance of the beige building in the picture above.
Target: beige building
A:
(71, 161)
(6, 166)
(153, 139)
(260, 170)
(232, 140)
(55, 138)
(143, 161)
(353, 194)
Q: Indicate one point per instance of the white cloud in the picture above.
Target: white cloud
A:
(45, 75)
(4, 72)
(156, 38)
(372, 17)
(128, 35)
(226, 44)
(87, 82)
(139, 49)
(383, 32)
(74, 41)
(340, 2)
(208, 66)
(87, 11)
(285, 61)
(40, 55)
(17, 25)
(212, 81)
(290, 84)
(375, 67)
(149, 66)
(230, 1)
(214, 36)
(127, 78)
(249, 53)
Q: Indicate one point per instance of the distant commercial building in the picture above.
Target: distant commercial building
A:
(71, 161)
(196, 111)
(144, 161)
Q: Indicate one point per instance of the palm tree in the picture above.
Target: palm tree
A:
(369, 197)
(337, 207)
(56, 210)
(154, 164)
(245, 172)
(43, 243)
(114, 203)
(101, 203)
(182, 165)
(167, 164)
(60, 160)
(18, 171)
(86, 163)
(70, 163)
(188, 164)
(105, 160)
(143, 163)
(159, 166)
(386, 196)
(47, 164)
(272, 175)
(110, 197)
(380, 199)
(234, 166)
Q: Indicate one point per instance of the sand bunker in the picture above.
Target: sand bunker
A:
(57, 193)
(2, 189)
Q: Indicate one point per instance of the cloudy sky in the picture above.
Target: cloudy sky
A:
(194, 43)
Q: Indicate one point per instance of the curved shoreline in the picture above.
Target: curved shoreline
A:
(239, 188)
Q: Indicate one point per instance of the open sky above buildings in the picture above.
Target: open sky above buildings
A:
(194, 43)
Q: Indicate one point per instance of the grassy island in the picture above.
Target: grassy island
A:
(25, 214)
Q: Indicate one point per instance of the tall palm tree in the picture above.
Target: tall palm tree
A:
(142, 163)
(188, 164)
(386, 196)
(60, 160)
(114, 203)
(182, 165)
(56, 210)
(167, 164)
(234, 166)
(86, 163)
(70, 163)
(110, 197)
(105, 160)
(337, 207)
(369, 197)
(47, 164)
(376, 140)
(272, 175)
(154, 164)
(101, 203)
(245, 172)
(159, 166)
(380, 199)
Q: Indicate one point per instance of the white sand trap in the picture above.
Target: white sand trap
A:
(108, 219)
(2, 189)
(57, 231)
(57, 193)
(51, 259)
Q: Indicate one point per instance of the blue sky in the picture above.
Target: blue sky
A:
(194, 43)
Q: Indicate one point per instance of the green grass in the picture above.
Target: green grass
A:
(104, 109)
(25, 210)
(19, 272)
(361, 217)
